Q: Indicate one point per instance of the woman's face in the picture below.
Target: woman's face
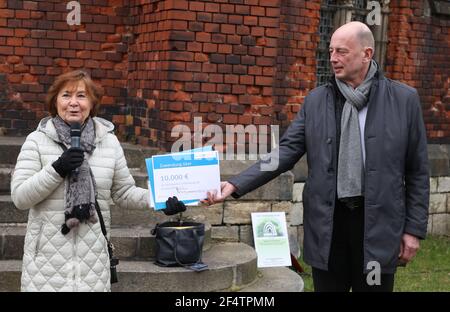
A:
(73, 103)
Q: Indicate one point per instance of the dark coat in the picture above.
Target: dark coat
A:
(396, 170)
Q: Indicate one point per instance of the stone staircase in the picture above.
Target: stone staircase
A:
(232, 265)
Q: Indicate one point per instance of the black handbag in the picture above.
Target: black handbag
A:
(113, 262)
(180, 244)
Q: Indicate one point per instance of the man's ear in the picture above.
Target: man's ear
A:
(368, 54)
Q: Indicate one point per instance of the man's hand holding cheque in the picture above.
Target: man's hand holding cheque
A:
(226, 190)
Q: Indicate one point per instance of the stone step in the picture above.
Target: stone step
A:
(279, 279)
(231, 266)
(10, 273)
(9, 213)
(10, 148)
(124, 217)
(133, 243)
(5, 179)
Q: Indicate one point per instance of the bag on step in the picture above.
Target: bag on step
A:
(180, 244)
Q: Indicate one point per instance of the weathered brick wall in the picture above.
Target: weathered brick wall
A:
(37, 44)
(228, 62)
(163, 63)
(418, 54)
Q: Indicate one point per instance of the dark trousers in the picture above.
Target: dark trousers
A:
(346, 262)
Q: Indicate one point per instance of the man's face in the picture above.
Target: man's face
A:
(347, 57)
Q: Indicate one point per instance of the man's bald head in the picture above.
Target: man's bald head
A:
(359, 31)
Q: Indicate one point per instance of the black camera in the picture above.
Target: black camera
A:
(113, 263)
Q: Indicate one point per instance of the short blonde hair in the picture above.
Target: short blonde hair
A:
(93, 91)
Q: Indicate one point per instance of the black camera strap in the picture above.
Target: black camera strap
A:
(112, 261)
(102, 225)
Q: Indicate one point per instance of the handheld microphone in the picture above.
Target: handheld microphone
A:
(75, 134)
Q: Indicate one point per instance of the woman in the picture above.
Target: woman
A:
(65, 249)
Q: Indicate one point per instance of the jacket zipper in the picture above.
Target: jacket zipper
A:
(74, 259)
(38, 242)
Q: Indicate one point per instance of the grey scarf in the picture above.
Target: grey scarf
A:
(80, 189)
(350, 181)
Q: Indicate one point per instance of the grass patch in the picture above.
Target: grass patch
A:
(429, 271)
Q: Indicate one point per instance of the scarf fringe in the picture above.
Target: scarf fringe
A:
(82, 213)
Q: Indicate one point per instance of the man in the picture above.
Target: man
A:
(366, 196)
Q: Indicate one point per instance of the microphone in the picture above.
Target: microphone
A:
(75, 134)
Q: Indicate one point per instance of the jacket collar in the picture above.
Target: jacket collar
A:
(102, 128)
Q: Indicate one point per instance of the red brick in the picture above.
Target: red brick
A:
(258, 11)
(222, 108)
(212, 7)
(250, 20)
(245, 119)
(223, 88)
(230, 119)
(8, 32)
(194, 46)
(230, 99)
(238, 89)
(246, 80)
(76, 63)
(22, 14)
(225, 48)
(242, 9)
(216, 78)
(242, 30)
(201, 57)
(4, 13)
(263, 81)
(13, 59)
(21, 51)
(220, 18)
(262, 120)
(16, 42)
(233, 79)
(268, 22)
(212, 28)
(30, 5)
(180, 76)
(226, 8)
(209, 68)
(210, 48)
(257, 31)
(228, 29)
(196, 6)
(235, 19)
(208, 87)
(203, 37)
(271, 3)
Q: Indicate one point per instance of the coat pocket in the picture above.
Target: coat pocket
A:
(38, 240)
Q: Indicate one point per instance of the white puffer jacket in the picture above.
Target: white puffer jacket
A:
(78, 261)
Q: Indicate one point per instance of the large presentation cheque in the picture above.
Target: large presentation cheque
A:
(186, 175)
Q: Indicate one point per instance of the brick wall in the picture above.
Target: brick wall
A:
(228, 62)
(418, 54)
(163, 63)
(37, 44)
